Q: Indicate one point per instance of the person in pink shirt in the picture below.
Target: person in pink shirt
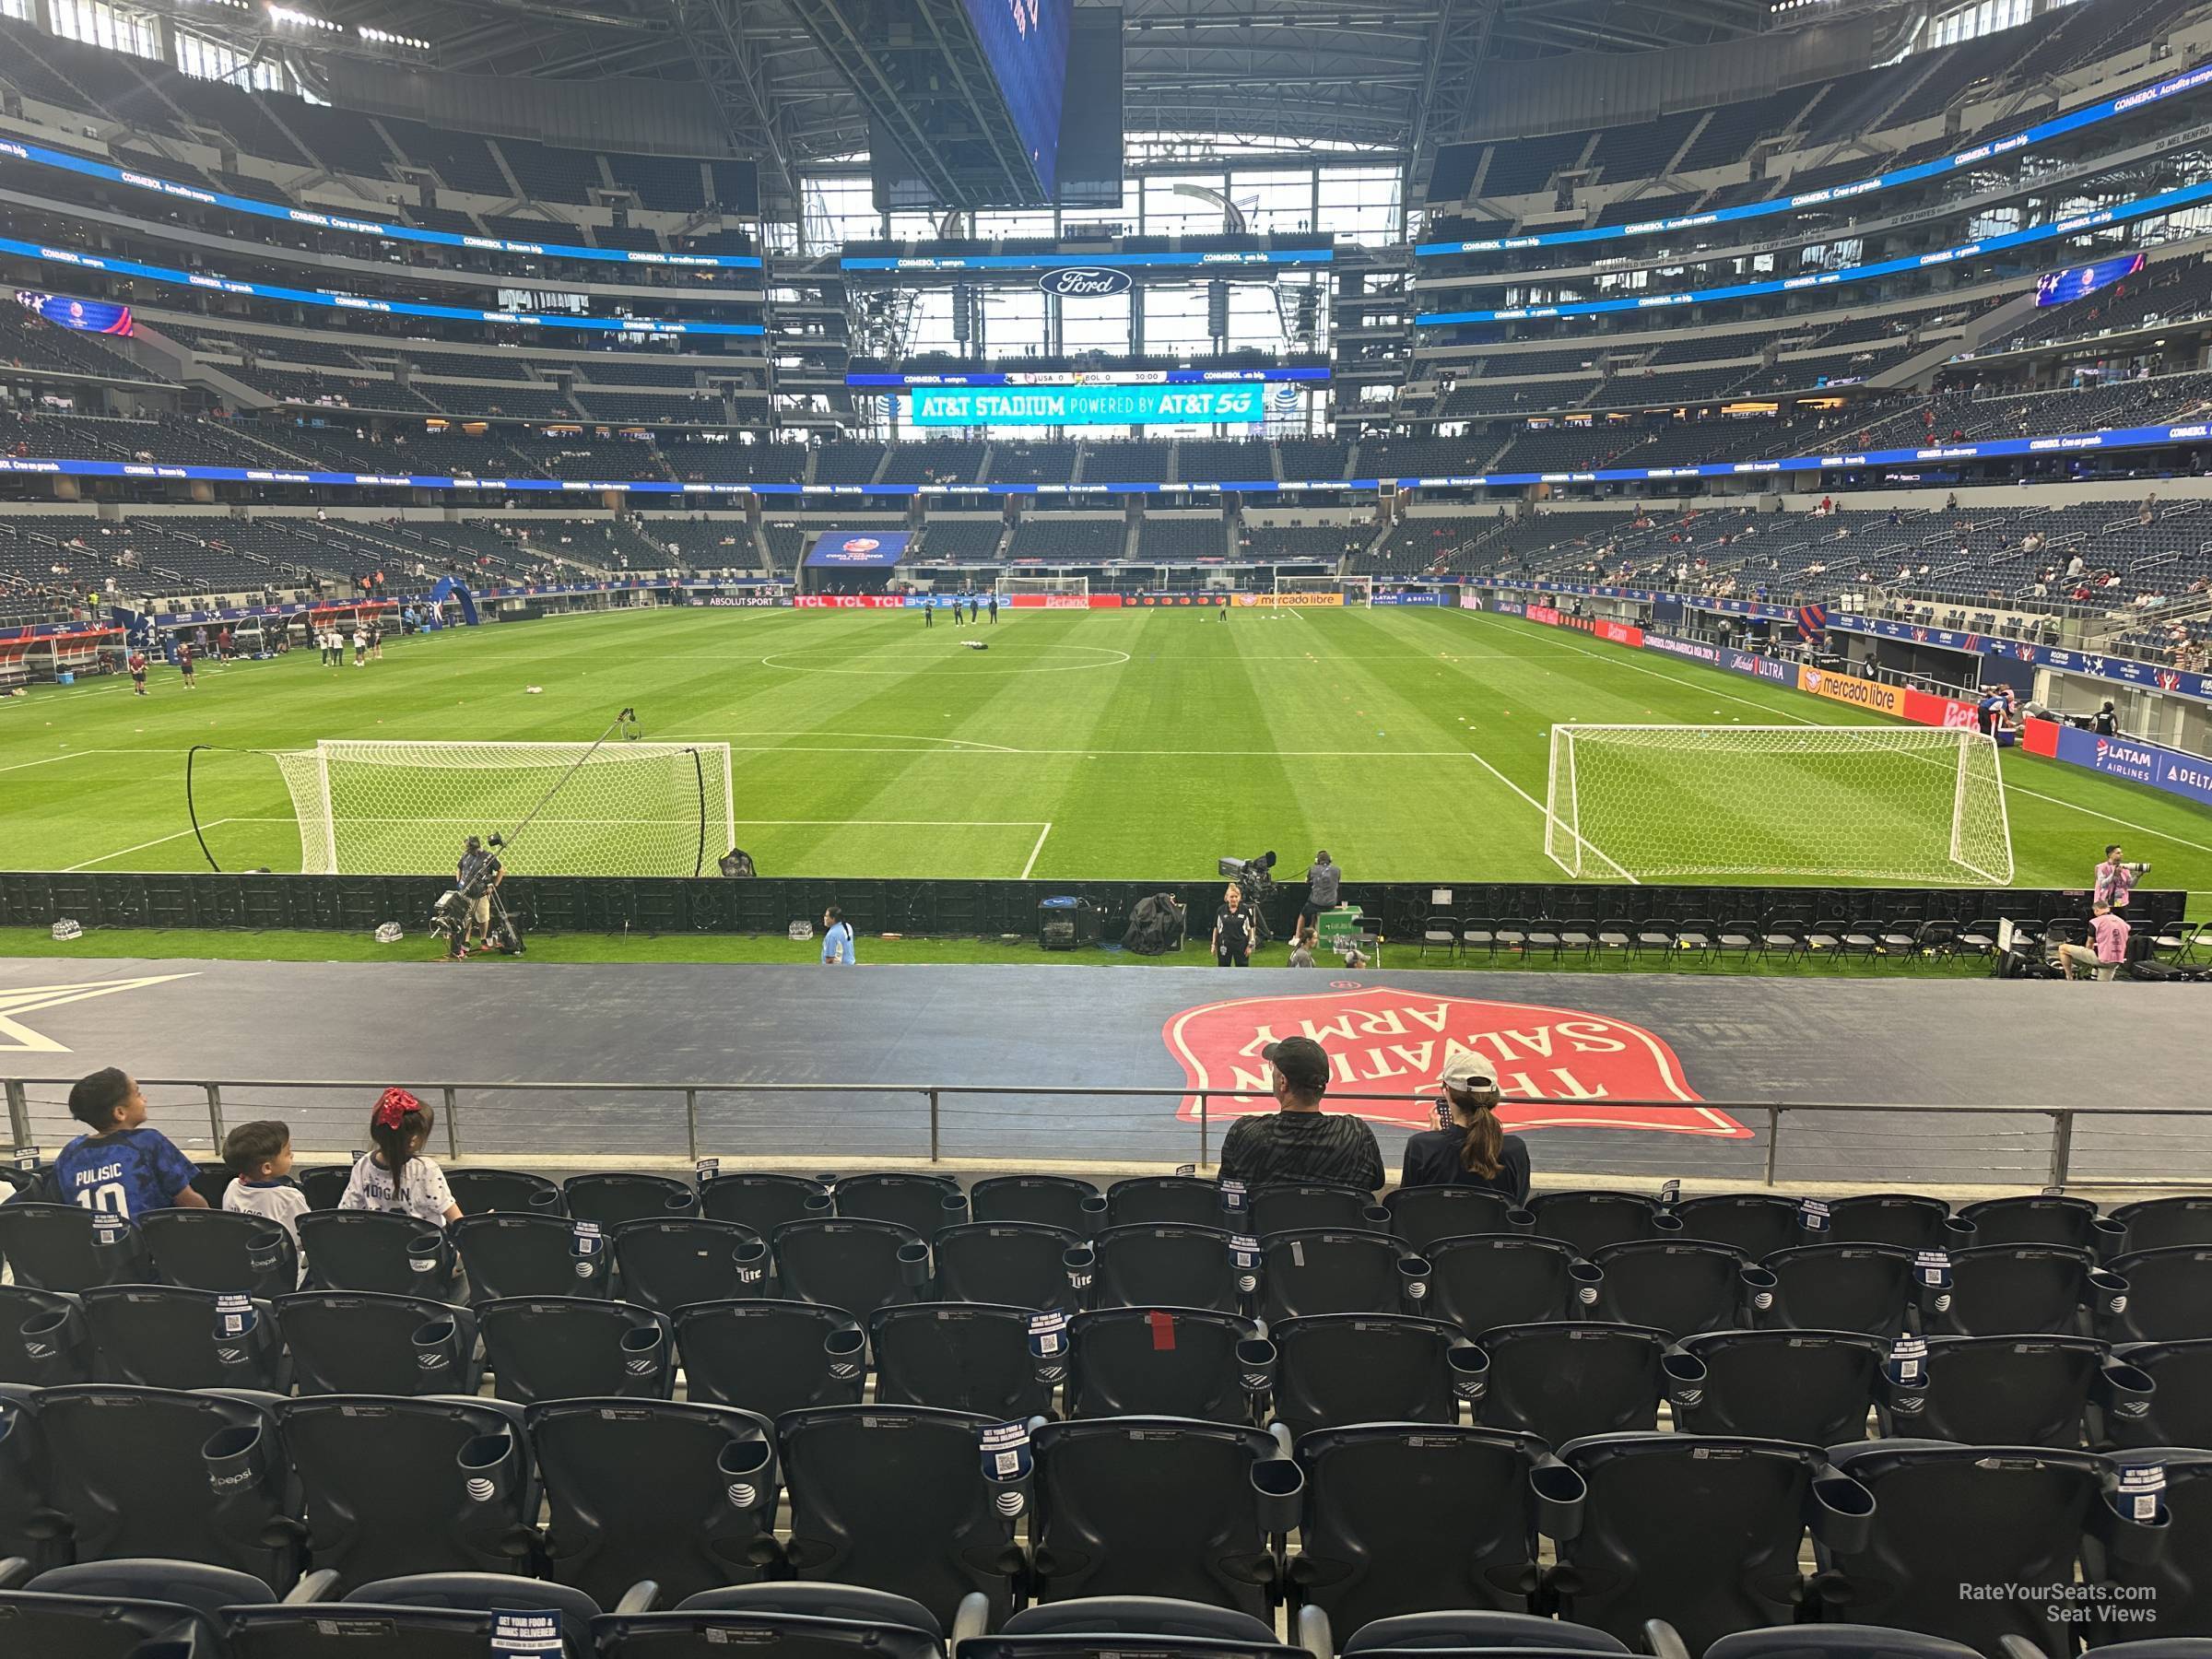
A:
(2106, 953)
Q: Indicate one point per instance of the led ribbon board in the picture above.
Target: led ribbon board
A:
(1086, 406)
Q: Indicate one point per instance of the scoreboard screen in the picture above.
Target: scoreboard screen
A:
(1025, 43)
(2057, 288)
(1088, 406)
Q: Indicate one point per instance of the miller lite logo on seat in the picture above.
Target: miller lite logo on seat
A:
(1084, 282)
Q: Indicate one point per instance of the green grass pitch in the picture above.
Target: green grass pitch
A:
(1142, 744)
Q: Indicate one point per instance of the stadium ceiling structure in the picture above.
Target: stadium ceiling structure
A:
(1393, 78)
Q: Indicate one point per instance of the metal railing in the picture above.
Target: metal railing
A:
(2064, 1121)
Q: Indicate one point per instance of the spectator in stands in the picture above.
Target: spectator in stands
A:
(837, 940)
(2104, 956)
(1299, 1141)
(1232, 930)
(395, 1176)
(122, 1168)
(2115, 877)
(259, 1156)
(1469, 1148)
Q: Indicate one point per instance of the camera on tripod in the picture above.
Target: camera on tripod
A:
(1255, 876)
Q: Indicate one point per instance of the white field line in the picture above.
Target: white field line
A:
(1035, 850)
(1539, 806)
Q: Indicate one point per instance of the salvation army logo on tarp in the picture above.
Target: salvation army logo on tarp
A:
(1566, 1063)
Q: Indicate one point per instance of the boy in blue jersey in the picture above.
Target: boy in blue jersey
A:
(122, 1168)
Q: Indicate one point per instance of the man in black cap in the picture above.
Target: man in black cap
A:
(1300, 1142)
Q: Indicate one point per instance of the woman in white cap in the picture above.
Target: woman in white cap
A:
(1472, 1149)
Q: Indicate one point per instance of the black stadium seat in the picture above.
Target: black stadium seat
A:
(1591, 1220)
(1019, 1264)
(2008, 1290)
(43, 1337)
(1421, 1216)
(556, 1348)
(106, 1609)
(859, 1266)
(479, 1192)
(921, 1204)
(1296, 1207)
(1163, 1200)
(611, 1197)
(1759, 1224)
(667, 1263)
(1163, 1362)
(1167, 1264)
(527, 1252)
(770, 1357)
(1564, 1379)
(169, 1337)
(1324, 1271)
(2007, 1390)
(963, 1356)
(1061, 1201)
(1907, 1220)
(2164, 1591)
(701, 1520)
(1814, 1387)
(425, 1615)
(2169, 1295)
(2179, 1412)
(2044, 1218)
(2163, 1223)
(32, 1529)
(221, 1250)
(792, 1621)
(761, 1202)
(1501, 1280)
(1679, 1286)
(381, 1251)
(1868, 1288)
(352, 1342)
(62, 1247)
(1333, 1368)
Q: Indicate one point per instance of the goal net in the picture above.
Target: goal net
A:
(1902, 805)
(1324, 590)
(1074, 590)
(609, 809)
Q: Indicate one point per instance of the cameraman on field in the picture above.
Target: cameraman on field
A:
(477, 874)
(2114, 879)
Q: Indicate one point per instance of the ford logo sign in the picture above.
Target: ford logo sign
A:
(1084, 282)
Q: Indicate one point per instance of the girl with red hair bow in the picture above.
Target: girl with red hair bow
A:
(397, 1176)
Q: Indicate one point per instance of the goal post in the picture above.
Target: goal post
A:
(1331, 590)
(614, 808)
(1011, 588)
(1902, 805)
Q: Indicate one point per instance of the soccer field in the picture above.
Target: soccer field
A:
(1141, 744)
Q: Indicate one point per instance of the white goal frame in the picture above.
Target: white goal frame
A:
(1066, 587)
(307, 777)
(1572, 842)
(1339, 586)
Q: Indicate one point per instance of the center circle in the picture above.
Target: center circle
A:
(1103, 657)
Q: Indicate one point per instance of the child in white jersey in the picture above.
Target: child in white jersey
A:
(397, 1176)
(259, 1156)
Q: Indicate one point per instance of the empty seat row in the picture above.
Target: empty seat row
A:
(970, 1517)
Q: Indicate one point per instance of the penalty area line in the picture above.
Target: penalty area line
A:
(1034, 851)
(1539, 806)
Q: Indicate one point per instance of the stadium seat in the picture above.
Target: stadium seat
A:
(1906, 1220)
(964, 1357)
(47, 1340)
(2169, 1295)
(1321, 1271)
(1163, 1362)
(515, 1252)
(1296, 1207)
(1420, 1215)
(2166, 1592)
(569, 1348)
(1835, 1642)
(149, 1472)
(2010, 1289)
(682, 1494)
(1862, 1288)
(1014, 1264)
(170, 1337)
(1333, 1368)
(1166, 1264)
(1757, 1224)
(921, 1204)
(761, 1202)
(896, 1500)
(62, 1247)
(1591, 1220)
(613, 1197)
(1813, 1387)
(2163, 1223)
(426, 1615)
(770, 1357)
(1470, 1631)
(790, 1621)
(1566, 1380)
(670, 1263)
(1163, 1200)
(858, 1266)
(2178, 1414)
(117, 1609)
(210, 1180)
(32, 1529)
(1157, 1506)
(1061, 1201)
(1678, 1286)
(383, 1250)
(2006, 1391)
(511, 1192)
(1379, 1498)
(397, 1487)
(2044, 1218)
(221, 1250)
(1700, 1531)
(351, 1342)
(1947, 1515)
(324, 1184)
(1495, 1280)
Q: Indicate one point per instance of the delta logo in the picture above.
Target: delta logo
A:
(1564, 1064)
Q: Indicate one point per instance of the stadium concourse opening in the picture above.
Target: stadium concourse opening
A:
(1013, 829)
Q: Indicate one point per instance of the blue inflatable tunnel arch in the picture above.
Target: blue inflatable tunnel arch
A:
(447, 588)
